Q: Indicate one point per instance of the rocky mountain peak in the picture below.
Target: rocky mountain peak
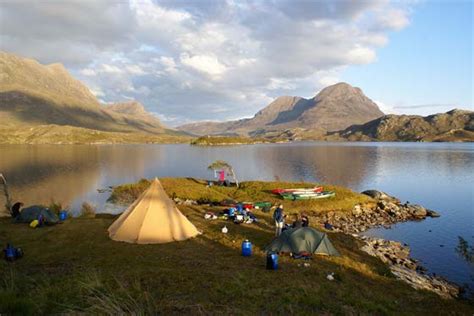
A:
(340, 90)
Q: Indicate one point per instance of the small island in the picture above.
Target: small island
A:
(75, 267)
(216, 140)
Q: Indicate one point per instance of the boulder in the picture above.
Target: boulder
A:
(432, 213)
(418, 211)
(373, 194)
(379, 195)
(357, 210)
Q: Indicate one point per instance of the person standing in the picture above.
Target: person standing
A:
(279, 218)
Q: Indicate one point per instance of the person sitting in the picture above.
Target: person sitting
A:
(297, 223)
(15, 211)
(305, 220)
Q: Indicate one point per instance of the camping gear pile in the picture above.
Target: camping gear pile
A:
(263, 205)
(152, 219)
(239, 212)
(304, 193)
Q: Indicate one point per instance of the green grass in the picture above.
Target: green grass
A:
(75, 267)
(248, 191)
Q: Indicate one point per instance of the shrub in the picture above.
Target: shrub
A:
(88, 210)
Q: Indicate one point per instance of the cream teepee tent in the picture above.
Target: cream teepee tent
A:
(152, 219)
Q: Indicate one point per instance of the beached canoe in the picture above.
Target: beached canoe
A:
(298, 190)
(308, 196)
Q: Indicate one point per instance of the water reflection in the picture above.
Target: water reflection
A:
(41, 174)
(465, 250)
(342, 165)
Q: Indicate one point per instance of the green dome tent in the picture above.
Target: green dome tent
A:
(304, 239)
(29, 214)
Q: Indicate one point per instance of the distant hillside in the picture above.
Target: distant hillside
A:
(60, 134)
(334, 108)
(455, 125)
(32, 94)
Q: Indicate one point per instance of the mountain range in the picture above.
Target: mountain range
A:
(33, 94)
(334, 108)
(45, 104)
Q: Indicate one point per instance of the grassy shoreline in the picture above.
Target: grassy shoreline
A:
(75, 268)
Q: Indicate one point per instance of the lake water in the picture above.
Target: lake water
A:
(437, 176)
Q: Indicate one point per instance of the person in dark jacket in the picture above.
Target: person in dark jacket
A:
(15, 211)
(298, 223)
(279, 218)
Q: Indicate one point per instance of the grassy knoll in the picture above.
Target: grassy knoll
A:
(252, 191)
(75, 267)
(229, 140)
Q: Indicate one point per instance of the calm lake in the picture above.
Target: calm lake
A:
(437, 176)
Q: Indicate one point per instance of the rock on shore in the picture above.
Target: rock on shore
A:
(388, 210)
(397, 256)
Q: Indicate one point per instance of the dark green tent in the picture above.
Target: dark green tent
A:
(29, 214)
(304, 239)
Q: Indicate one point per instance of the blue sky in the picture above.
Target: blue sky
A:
(189, 60)
(426, 67)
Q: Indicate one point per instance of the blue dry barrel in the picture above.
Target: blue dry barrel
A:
(246, 248)
(272, 261)
(62, 215)
(9, 253)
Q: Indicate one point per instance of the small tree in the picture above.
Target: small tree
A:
(223, 165)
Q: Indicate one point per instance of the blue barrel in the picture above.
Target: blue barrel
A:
(272, 261)
(62, 215)
(231, 211)
(10, 253)
(246, 248)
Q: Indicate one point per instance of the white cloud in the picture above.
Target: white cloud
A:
(87, 72)
(111, 69)
(395, 19)
(228, 58)
(206, 64)
(135, 70)
(387, 109)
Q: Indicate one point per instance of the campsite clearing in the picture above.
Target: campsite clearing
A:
(76, 267)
